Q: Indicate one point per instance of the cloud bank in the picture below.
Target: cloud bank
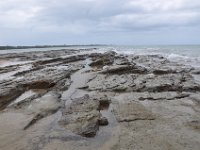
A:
(29, 22)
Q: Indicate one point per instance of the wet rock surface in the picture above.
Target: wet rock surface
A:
(132, 111)
(81, 99)
(82, 116)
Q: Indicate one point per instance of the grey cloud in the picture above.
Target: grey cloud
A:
(93, 18)
(114, 14)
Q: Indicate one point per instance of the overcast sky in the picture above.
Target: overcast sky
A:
(30, 22)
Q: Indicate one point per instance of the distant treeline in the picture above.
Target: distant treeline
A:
(42, 46)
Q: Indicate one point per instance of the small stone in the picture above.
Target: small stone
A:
(104, 103)
(103, 121)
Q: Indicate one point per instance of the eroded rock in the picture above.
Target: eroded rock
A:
(103, 59)
(124, 69)
(147, 101)
(82, 116)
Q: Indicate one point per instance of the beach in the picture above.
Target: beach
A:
(86, 99)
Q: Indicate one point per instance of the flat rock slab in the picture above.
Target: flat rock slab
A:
(42, 107)
(131, 111)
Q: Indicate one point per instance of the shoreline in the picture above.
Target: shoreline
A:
(47, 46)
(81, 99)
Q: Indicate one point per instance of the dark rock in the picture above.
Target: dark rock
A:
(40, 84)
(104, 102)
(110, 53)
(103, 121)
(120, 89)
(124, 69)
(163, 71)
(83, 87)
(195, 71)
(8, 94)
(122, 61)
(90, 129)
(101, 62)
(195, 124)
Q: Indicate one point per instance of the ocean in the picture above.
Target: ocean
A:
(187, 54)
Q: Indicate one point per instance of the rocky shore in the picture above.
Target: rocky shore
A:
(85, 100)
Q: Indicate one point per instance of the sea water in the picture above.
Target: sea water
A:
(188, 54)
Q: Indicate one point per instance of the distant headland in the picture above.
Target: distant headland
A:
(44, 46)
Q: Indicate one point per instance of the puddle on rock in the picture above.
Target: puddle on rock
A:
(78, 79)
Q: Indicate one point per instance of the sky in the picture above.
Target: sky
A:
(121, 22)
